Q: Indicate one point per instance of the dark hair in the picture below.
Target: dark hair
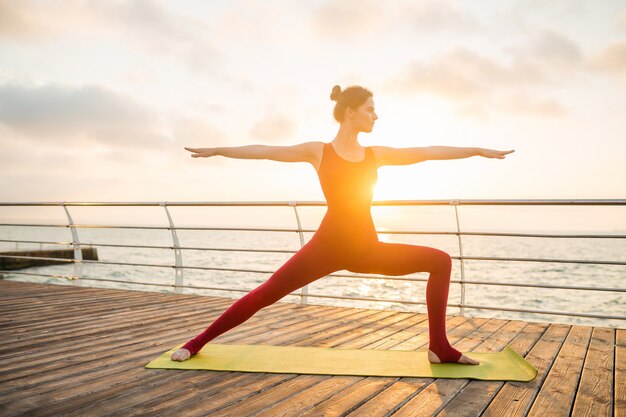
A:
(352, 96)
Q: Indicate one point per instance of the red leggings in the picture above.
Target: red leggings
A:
(317, 259)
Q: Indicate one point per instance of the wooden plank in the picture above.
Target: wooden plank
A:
(71, 294)
(20, 289)
(319, 400)
(594, 397)
(84, 304)
(620, 373)
(95, 376)
(493, 336)
(83, 319)
(143, 393)
(138, 390)
(476, 395)
(462, 326)
(81, 393)
(360, 391)
(50, 305)
(285, 393)
(68, 330)
(557, 392)
(50, 354)
(342, 402)
(515, 398)
(41, 339)
(107, 377)
(391, 397)
(267, 397)
(364, 335)
(142, 335)
(138, 328)
(181, 399)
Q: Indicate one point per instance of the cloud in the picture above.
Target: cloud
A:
(475, 82)
(441, 79)
(349, 18)
(355, 19)
(196, 133)
(75, 115)
(143, 24)
(13, 23)
(148, 24)
(30, 20)
(611, 59)
(551, 51)
(462, 74)
(436, 15)
(525, 105)
(555, 10)
(274, 127)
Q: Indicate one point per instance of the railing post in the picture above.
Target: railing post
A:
(304, 291)
(78, 253)
(456, 204)
(178, 257)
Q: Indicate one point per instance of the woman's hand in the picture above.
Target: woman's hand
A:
(202, 152)
(491, 153)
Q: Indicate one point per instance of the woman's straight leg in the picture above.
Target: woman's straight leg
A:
(313, 261)
(401, 259)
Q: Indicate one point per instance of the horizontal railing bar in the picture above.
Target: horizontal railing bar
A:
(457, 305)
(47, 242)
(386, 232)
(114, 245)
(446, 202)
(547, 286)
(570, 236)
(471, 258)
(383, 277)
(552, 260)
(69, 277)
(100, 226)
(557, 313)
(548, 260)
(89, 261)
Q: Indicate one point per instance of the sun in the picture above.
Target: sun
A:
(414, 123)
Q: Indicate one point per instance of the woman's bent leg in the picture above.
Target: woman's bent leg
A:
(310, 263)
(401, 259)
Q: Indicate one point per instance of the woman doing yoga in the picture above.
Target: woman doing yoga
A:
(346, 238)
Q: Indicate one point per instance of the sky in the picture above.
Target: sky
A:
(99, 98)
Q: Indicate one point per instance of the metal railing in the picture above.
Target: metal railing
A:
(178, 285)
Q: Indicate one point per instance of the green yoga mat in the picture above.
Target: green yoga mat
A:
(506, 365)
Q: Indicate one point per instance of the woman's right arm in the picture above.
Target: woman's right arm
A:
(303, 152)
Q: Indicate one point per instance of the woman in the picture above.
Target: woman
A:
(346, 237)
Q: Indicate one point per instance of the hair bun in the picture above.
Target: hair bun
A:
(335, 93)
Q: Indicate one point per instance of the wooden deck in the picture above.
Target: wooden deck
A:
(69, 350)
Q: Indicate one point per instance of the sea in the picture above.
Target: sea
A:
(223, 249)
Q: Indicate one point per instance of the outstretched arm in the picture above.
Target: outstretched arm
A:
(302, 152)
(386, 155)
(451, 152)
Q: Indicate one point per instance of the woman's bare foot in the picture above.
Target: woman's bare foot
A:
(432, 358)
(180, 355)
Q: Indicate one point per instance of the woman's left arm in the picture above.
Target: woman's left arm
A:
(386, 155)
(452, 152)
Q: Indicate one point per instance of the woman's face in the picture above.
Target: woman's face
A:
(365, 116)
